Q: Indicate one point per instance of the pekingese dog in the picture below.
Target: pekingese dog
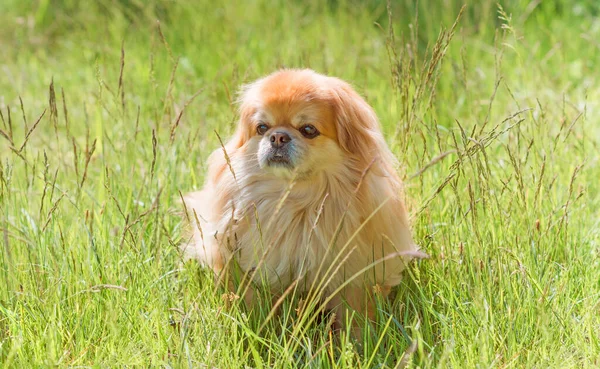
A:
(305, 193)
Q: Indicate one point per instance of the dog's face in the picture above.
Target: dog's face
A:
(290, 123)
(294, 135)
(297, 122)
(295, 131)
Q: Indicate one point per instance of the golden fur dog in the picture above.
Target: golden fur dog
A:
(305, 192)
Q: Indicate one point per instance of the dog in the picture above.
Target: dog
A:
(305, 194)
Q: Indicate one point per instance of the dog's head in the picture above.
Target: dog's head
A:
(298, 122)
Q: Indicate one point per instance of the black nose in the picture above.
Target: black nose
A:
(279, 139)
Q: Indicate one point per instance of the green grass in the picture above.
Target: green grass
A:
(90, 272)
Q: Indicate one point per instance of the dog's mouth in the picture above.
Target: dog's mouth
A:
(279, 158)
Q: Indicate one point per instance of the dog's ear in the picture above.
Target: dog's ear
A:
(248, 98)
(359, 133)
(356, 123)
(218, 159)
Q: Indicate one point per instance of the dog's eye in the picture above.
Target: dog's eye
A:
(309, 131)
(262, 128)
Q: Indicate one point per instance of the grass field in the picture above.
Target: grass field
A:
(109, 110)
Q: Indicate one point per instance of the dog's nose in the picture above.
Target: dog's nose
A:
(279, 139)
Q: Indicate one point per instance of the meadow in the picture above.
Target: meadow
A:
(110, 108)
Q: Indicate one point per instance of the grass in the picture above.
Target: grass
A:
(108, 114)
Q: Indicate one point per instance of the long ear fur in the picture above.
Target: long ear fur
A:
(358, 129)
(217, 161)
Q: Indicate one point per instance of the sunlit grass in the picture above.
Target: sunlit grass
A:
(495, 123)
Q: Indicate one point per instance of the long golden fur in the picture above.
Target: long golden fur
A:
(287, 207)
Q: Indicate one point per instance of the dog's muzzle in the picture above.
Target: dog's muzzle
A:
(280, 152)
(279, 157)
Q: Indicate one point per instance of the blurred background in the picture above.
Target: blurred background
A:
(77, 42)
